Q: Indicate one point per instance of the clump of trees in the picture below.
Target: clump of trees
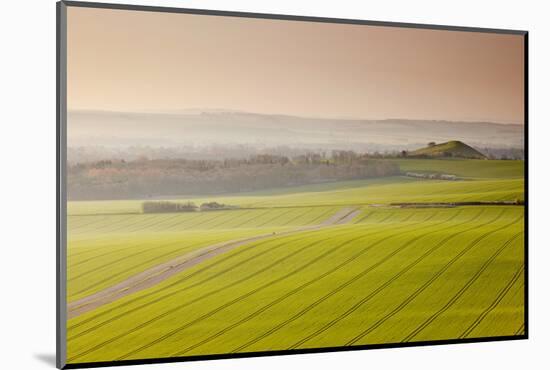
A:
(212, 206)
(166, 206)
(433, 176)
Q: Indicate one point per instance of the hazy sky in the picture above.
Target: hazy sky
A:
(145, 61)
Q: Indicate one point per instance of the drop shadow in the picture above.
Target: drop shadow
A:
(47, 358)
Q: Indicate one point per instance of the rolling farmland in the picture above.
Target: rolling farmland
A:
(105, 249)
(315, 279)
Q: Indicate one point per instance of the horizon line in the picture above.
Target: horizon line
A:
(183, 111)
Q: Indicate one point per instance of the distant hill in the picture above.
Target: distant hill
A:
(218, 127)
(455, 149)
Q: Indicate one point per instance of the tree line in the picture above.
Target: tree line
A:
(144, 178)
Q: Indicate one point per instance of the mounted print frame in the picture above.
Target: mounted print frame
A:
(236, 184)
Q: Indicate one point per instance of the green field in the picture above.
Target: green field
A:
(473, 168)
(106, 249)
(386, 275)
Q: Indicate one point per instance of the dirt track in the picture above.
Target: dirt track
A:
(159, 273)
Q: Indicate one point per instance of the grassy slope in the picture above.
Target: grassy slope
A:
(292, 292)
(106, 249)
(375, 235)
(400, 190)
(468, 168)
(454, 148)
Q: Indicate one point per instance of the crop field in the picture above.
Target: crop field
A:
(359, 192)
(316, 266)
(106, 249)
(471, 168)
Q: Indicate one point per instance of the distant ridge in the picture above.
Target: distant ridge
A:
(202, 127)
(454, 148)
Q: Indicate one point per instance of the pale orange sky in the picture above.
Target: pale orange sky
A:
(145, 61)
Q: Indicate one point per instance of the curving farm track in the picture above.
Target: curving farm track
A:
(163, 271)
